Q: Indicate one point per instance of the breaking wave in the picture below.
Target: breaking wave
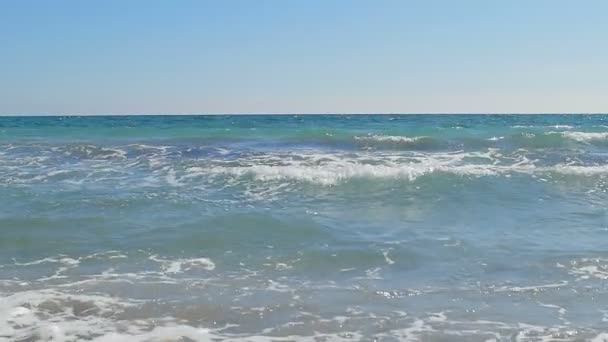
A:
(207, 167)
(584, 136)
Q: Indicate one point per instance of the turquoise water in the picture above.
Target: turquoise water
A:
(305, 227)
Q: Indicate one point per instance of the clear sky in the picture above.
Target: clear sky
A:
(313, 56)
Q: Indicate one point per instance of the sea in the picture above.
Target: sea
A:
(304, 228)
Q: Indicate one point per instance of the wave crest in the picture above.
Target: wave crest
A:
(391, 138)
(583, 136)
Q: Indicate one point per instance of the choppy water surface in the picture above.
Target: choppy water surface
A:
(317, 228)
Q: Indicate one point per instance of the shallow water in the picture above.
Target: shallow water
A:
(319, 228)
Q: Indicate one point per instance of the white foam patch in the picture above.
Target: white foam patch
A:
(331, 169)
(570, 169)
(172, 178)
(284, 168)
(165, 334)
(561, 311)
(562, 127)
(51, 315)
(92, 151)
(532, 288)
(583, 136)
(603, 337)
(60, 260)
(389, 138)
(387, 258)
(552, 126)
(65, 263)
(589, 268)
(182, 265)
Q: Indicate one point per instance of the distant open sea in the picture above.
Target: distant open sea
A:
(304, 228)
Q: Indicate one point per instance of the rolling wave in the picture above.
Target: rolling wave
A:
(149, 166)
(584, 136)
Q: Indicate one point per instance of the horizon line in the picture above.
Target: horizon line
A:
(296, 113)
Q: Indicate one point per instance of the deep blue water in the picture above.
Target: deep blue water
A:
(304, 227)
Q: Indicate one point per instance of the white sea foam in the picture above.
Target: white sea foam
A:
(387, 258)
(532, 288)
(583, 136)
(389, 138)
(562, 127)
(92, 151)
(52, 315)
(561, 311)
(602, 337)
(65, 263)
(285, 168)
(551, 126)
(330, 169)
(60, 260)
(172, 332)
(181, 265)
(334, 169)
(570, 169)
(589, 268)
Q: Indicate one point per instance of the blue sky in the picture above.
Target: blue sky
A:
(315, 56)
